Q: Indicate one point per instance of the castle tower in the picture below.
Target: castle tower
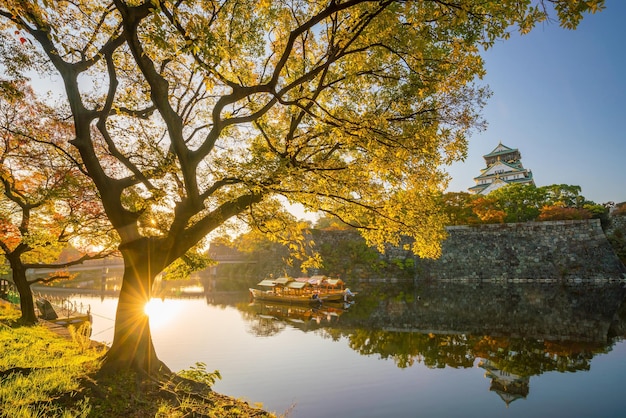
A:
(504, 166)
(508, 386)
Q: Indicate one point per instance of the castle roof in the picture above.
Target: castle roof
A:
(500, 150)
(479, 188)
(515, 167)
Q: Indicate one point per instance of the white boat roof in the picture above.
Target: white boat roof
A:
(312, 280)
(296, 285)
(267, 282)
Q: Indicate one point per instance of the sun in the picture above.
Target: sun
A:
(150, 308)
(159, 311)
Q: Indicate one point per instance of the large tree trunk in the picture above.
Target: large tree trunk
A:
(27, 305)
(132, 346)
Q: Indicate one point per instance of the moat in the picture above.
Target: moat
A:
(404, 350)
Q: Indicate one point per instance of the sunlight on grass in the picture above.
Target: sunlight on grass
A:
(45, 375)
(8, 312)
(37, 366)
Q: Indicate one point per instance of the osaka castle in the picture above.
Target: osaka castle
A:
(504, 166)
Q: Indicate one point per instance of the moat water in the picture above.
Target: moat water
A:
(444, 350)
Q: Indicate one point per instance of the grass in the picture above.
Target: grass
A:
(43, 374)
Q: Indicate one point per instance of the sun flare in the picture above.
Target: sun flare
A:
(159, 312)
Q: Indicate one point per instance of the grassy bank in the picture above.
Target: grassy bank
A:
(43, 374)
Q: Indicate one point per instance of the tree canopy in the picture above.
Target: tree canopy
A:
(521, 203)
(190, 113)
(46, 203)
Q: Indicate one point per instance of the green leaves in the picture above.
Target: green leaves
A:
(206, 111)
(520, 203)
(198, 373)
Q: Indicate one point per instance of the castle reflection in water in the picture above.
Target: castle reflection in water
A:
(512, 330)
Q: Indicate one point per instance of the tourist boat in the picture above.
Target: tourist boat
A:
(272, 296)
(305, 290)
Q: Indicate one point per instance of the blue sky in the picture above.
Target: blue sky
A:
(559, 96)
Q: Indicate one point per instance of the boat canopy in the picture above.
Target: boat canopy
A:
(315, 280)
(267, 282)
(297, 285)
(301, 282)
(284, 282)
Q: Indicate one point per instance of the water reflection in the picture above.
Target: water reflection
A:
(508, 386)
(446, 349)
(512, 331)
(267, 318)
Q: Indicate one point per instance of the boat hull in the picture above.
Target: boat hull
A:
(307, 299)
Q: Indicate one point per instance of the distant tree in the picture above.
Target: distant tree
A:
(191, 113)
(250, 242)
(458, 208)
(487, 210)
(598, 211)
(331, 223)
(563, 195)
(280, 249)
(570, 197)
(345, 253)
(223, 239)
(46, 203)
(559, 213)
(520, 202)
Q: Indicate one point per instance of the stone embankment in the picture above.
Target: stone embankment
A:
(556, 312)
(557, 251)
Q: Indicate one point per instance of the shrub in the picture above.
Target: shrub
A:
(558, 213)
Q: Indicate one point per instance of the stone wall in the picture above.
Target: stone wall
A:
(551, 251)
(570, 251)
(617, 222)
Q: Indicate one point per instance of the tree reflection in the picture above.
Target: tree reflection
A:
(435, 351)
(511, 330)
(265, 326)
(519, 356)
